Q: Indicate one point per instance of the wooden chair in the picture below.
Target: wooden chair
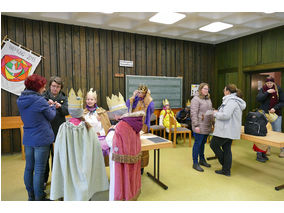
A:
(156, 127)
(178, 130)
(14, 122)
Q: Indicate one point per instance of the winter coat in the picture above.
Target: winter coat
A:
(229, 117)
(199, 106)
(60, 112)
(264, 100)
(36, 115)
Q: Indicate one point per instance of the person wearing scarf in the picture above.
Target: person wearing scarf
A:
(90, 113)
(142, 101)
(271, 99)
(125, 155)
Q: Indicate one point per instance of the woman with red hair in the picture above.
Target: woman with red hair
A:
(36, 115)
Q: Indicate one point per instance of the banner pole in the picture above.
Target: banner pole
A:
(21, 46)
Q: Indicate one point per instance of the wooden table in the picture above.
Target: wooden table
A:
(272, 138)
(147, 144)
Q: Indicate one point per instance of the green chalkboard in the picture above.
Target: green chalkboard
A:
(161, 88)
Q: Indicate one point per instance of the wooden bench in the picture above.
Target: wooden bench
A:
(14, 122)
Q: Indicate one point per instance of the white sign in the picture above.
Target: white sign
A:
(124, 63)
(194, 89)
(16, 65)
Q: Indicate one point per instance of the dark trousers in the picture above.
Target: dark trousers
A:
(198, 147)
(222, 149)
(46, 174)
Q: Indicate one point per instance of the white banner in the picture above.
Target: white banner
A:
(16, 65)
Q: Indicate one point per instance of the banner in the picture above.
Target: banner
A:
(16, 65)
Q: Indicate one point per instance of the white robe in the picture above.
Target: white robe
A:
(78, 167)
(91, 118)
(109, 140)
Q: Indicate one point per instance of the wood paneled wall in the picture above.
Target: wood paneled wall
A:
(242, 57)
(87, 57)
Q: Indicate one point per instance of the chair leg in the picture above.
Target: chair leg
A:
(184, 136)
(170, 136)
(175, 140)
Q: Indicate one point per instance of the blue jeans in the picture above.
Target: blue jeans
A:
(198, 147)
(36, 160)
(276, 125)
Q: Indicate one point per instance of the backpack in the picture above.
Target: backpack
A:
(256, 124)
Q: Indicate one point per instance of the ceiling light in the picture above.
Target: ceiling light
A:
(215, 27)
(167, 18)
(269, 12)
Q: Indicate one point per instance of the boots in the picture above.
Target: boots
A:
(197, 167)
(268, 151)
(203, 162)
(260, 158)
(281, 155)
(264, 156)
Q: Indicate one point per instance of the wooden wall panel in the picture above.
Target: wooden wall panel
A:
(87, 57)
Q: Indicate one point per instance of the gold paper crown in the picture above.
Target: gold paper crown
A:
(166, 102)
(142, 88)
(75, 101)
(188, 103)
(93, 94)
(116, 102)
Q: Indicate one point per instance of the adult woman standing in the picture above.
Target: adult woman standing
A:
(36, 115)
(271, 99)
(201, 124)
(228, 124)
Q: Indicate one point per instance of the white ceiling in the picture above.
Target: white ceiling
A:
(245, 23)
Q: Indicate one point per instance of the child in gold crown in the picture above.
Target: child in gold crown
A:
(165, 115)
(77, 156)
(91, 115)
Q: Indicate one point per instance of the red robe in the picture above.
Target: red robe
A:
(127, 157)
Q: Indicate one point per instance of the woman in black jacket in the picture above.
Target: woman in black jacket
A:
(54, 95)
(271, 99)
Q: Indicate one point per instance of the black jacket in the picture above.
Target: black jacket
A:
(264, 100)
(60, 112)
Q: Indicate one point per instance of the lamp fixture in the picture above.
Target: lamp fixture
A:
(216, 27)
(167, 18)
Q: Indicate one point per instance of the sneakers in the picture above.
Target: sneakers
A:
(221, 172)
(197, 167)
(260, 158)
(204, 163)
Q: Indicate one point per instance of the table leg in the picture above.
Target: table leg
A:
(212, 158)
(156, 176)
(277, 188)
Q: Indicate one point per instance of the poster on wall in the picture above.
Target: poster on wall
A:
(194, 89)
(16, 65)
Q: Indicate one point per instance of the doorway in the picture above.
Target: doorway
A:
(257, 80)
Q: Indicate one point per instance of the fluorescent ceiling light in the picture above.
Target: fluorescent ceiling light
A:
(215, 27)
(269, 12)
(167, 18)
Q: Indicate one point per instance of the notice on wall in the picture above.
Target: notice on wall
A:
(194, 89)
(124, 63)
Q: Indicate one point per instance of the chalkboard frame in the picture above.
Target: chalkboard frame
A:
(161, 88)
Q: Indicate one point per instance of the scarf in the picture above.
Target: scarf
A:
(273, 97)
(135, 122)
(92, 109)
